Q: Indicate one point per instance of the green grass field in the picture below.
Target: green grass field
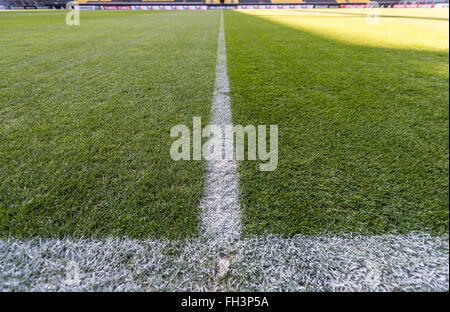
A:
(363, 128)
(86, 112)
(85, 117)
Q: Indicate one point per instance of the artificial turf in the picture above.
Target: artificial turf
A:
(85, 118)
(362, 113)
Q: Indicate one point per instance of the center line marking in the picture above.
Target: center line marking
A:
(220, 208)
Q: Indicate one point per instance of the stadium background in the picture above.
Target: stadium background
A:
(212, 4)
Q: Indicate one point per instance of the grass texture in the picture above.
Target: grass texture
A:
(362, 113)
(85, 118)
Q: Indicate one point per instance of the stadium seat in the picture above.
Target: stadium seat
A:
(352, 1)
(222, 1)
(287, 1)
(254, 2)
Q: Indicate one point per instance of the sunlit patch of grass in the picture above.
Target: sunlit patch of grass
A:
(424, 29)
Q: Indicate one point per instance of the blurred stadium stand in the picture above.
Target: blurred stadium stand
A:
(33, 3)
(62, 3)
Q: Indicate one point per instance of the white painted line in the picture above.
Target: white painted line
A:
(220, 210)
(414, 261)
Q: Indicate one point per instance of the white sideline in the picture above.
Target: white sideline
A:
(412, 262)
